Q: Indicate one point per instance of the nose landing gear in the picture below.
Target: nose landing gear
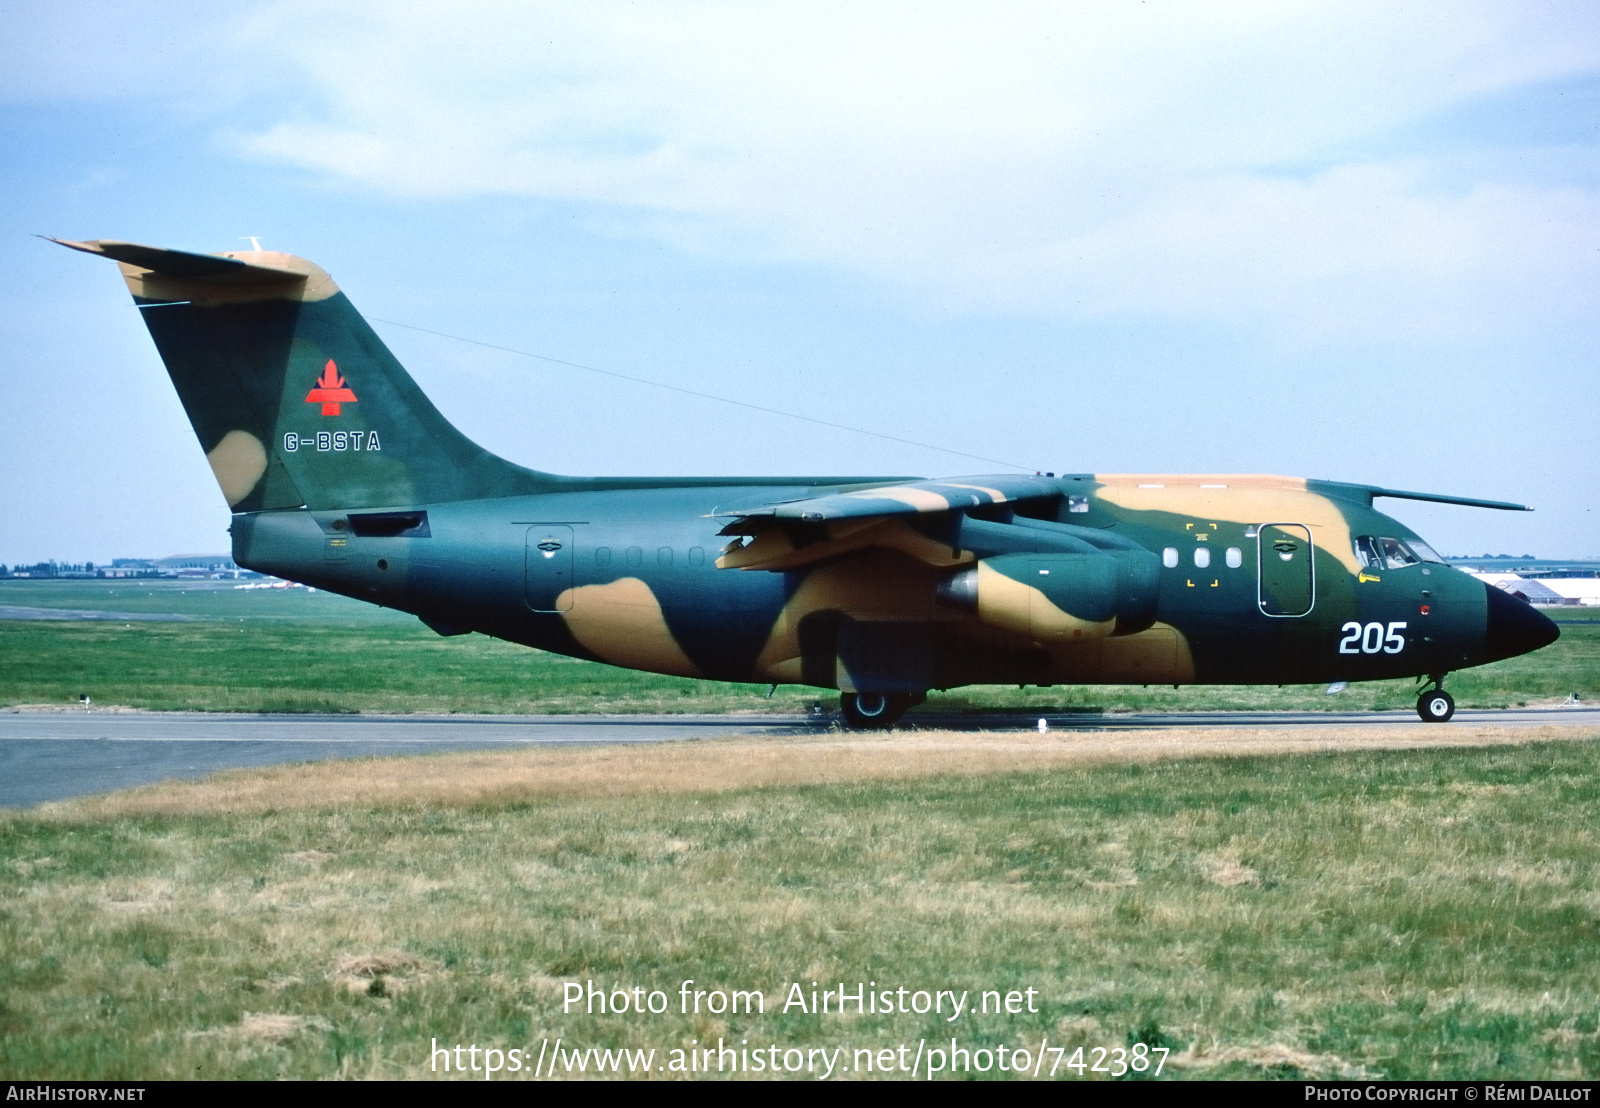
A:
(1436, 705)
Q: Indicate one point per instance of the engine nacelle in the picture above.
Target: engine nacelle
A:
(1059, 598)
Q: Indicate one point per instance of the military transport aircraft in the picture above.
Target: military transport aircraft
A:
(342, 475)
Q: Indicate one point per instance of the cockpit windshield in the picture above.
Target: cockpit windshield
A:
(1396, 555)
(1375, 552)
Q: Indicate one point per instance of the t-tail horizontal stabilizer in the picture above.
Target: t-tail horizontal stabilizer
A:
(209, 268)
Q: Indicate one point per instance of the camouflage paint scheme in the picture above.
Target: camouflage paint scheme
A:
(341, 474)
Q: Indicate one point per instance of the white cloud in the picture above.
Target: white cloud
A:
(1356, 252)
(1049, 159)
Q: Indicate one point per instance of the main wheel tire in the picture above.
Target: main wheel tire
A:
(1436, 706)
(873, 709)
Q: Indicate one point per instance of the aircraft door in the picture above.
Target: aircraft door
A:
(547, 575)
(1287, 581)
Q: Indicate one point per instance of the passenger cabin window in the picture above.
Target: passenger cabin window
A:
(697, 555)
(602, 556)
(1202, 557)
(635, 557)
(1235, 557)
(1169, 557)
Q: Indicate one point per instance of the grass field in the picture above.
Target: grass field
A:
(1382, 913)
(290, 650)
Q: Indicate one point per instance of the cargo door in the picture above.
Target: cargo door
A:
(1287, 581)
(547, 573)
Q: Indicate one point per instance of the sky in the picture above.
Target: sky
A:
(1339, 240)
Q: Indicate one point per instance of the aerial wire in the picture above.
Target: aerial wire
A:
(703, 395)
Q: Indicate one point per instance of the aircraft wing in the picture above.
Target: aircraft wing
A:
(905, 498)
(794, 533)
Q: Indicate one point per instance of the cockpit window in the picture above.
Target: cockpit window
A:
(1386, 553)
(1396, 555)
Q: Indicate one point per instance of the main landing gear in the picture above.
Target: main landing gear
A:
(875, 709)
(1436, 705)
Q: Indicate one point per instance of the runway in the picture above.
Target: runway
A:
(53, 755)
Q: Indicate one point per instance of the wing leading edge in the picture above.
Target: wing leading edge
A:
(906, 498)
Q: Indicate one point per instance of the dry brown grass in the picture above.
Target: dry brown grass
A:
(386, 974)
(740, 763)
(1230, 872)
(376, 965)
(1268, 1057)
(271, 1027)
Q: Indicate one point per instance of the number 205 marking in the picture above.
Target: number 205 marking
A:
(1372, 639)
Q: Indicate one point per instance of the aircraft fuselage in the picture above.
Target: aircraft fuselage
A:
(630, 577)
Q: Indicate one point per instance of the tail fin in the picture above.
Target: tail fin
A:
(295, 399)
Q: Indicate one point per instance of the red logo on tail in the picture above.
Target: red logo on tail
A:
(330, 391)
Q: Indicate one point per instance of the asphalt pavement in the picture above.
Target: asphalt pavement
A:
(53, 755)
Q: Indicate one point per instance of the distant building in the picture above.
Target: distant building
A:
(1545, 591)
(180, 566)
(52, 570)
(1574, 590)
(215, 562)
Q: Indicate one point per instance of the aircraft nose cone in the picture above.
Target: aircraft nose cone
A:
(1514, 627)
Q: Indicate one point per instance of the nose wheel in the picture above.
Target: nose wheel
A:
(874, 709)
(1436, 706)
